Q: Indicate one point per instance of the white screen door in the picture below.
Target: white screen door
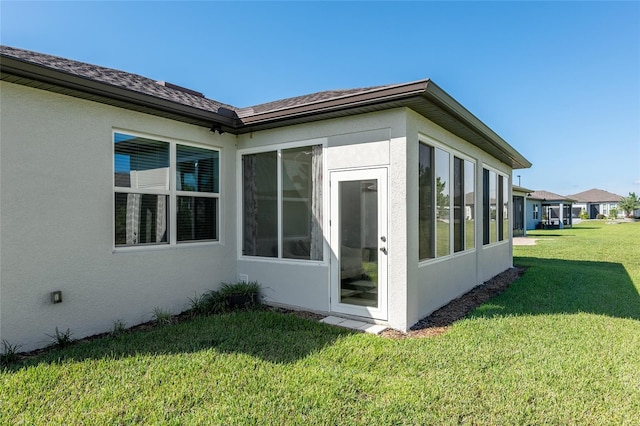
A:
(359, 242)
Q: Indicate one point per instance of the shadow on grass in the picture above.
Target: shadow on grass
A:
(552, 286)
(271, 336)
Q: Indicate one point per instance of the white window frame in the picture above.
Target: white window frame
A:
(278, 148)
(499, 208)
(436, 144)
(172, 192)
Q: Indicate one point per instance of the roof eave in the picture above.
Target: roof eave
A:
(81, 85)
(408, 95)
(439, 96)
(421, 96)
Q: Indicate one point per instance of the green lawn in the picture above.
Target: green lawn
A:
(561, 346)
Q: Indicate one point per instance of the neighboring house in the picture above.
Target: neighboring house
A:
(548, 210)
(126, 194)
(595, 202)
(520, 196)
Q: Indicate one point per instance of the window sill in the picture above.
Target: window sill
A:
(163, 247)
(496, 244)
(299, 262)
(426, 262)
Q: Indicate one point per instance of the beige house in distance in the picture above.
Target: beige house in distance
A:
(595, 202)
(122, 194)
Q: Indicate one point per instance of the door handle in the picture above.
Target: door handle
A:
(383, 249)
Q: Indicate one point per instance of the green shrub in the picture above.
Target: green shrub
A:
(9, 353)
(240, 288)
(214, 302)
(198, 305)
(62, 339)
(241, 294)
(229, 297)
(119, 327)
(162, 316)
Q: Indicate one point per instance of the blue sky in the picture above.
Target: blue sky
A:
(559, 81)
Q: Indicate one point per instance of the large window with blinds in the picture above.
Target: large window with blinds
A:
(165, 192)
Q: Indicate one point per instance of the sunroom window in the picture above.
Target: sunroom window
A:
(446, 203)
(149, 209)
(495, 207)
(282, 203)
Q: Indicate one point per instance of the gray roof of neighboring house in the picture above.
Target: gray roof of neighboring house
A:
(139, 93)
(596, 196)
(549, 196)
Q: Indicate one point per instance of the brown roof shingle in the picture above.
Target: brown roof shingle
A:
(306, 99)
(113, 77)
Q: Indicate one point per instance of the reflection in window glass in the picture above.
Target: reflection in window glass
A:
(469, 204)
(296, 202)
(458, 200)
(260, 204)
(196, 218)
(143, 193)
(358, 229)
(443, 203)
(504, 181)
(493, 207)
(140, 163)
(426, 241)
(463, 204)
(297, 185)
(140, 219)
(196, 169)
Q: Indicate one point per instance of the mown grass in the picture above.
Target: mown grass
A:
(560, 346)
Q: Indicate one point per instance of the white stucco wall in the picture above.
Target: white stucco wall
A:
(56, 221)
(433, 283)
(368, 140)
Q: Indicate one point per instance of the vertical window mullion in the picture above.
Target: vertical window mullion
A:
(279, 201)
(451, 203)
(486, 209)
(173, 202)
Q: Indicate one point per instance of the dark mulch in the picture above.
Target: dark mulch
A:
(440, 321)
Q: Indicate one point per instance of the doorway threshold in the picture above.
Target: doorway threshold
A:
(354, 325)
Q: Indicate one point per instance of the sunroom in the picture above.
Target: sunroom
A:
(382, 205)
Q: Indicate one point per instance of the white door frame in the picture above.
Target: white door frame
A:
(379, 174)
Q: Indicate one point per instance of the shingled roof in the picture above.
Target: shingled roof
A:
(115, 78)
(596, 196)
(140, 93)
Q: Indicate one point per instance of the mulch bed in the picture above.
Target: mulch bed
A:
(440, 321)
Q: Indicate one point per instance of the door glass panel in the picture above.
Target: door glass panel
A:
(359, 242)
